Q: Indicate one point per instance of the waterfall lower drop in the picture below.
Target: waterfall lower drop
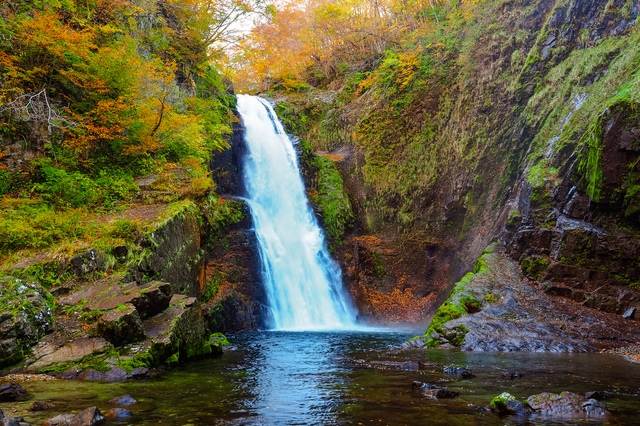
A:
(303, 283)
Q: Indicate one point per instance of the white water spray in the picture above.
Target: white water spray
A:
(303, 284)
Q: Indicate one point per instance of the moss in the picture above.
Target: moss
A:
(502, 399)
(534, 267)
(95, 361)
(333, 201)
(471, 304)
(173, 360)
(141, 360)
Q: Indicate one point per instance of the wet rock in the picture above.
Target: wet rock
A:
(118, 413)
(629, 313)
(507, 404)
(121, 325)
(61, 420)
(14, 421)
(90, 375)
(41, 406)
(1, 414)
(439, 393)
(12, 392)
(597, 395)
(122, 400)
(116, 374)
(433, 391)
(459, 371)
(565, 404)
(593, 408)
(89, 417)
(139, 373)
(511, 376)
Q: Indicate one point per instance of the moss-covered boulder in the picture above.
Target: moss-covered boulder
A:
(25, 318)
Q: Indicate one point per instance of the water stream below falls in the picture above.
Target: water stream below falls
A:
(303, 284)
(330, 378)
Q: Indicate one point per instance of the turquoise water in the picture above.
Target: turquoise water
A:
(327, 378)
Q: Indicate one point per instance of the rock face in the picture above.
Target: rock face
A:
(121, 326)
(497, 309)
(177, 257)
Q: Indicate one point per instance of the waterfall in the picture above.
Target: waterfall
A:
(303, 283)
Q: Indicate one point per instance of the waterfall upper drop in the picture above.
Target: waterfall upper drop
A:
(302, 281)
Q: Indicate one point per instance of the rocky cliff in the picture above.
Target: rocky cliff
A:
(525, 130)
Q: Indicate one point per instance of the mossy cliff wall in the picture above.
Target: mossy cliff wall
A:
(523, 129)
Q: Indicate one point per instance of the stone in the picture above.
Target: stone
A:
(41, 406)
(629, 313)
(565, 404)
(116, 374)
(597, 395)
(139, 373)
(12, 392)
(122, 400)
(14, 421)
(61, 420)
(507, 404)
(89, 262)
(73, 351)
(439, 393)
(121, 326)
(120, 252)
(459, 371)
(89, 417)
(118, 413)
(145, 182)
(511, 376)
(1, 414)
(90, 375)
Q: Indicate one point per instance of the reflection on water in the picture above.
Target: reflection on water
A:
(323, 378)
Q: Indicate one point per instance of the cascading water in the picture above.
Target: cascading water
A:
(303, 284)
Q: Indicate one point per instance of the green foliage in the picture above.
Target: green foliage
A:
(220, 214)
(33, 224)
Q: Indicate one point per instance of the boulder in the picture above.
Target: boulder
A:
(14, 421)
(41, 406)
(459, 371)
(439, 393)
(507, 404)
(61, 420)
(565, 404)
(122, 400)
(118, 413)
(89, 417)
(12, 392)
(139, 373)
(121, 325)
(116, 374)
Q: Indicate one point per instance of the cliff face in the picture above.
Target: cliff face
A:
(525, 130)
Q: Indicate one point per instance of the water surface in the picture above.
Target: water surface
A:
(326, 378)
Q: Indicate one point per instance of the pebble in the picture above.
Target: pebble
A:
(27, 378)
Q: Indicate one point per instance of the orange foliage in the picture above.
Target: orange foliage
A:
(399, 306)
